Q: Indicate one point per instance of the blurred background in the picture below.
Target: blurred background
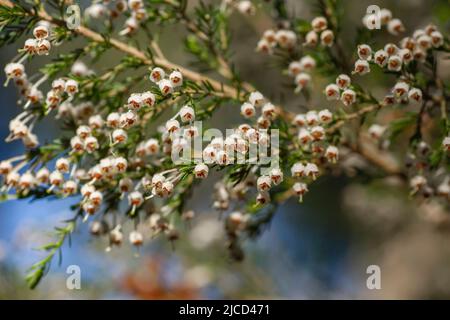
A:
(320, 249)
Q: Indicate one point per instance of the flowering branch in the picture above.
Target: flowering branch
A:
(133, 170)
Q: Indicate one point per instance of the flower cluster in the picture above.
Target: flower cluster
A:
(384, 18)
(115, 8)
(301, 71)
(319, 26)
(341, 90)
(118, 158)
(283, 38)
(312, 139)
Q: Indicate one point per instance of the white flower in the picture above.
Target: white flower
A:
(425, 42)
(136, 238)
(300, 189)
(167, 188)
(135, 4)
(209, 154)
(62, 165)
(44, 47)
(400, 89)
(418, 182)
(135, 101)
(364, 52)
(406, 55)
(246, 7)
(71, 87)
(176, 78)
(304, 136)
(113, 120)
(307, 63)
(119, 136)
(58, 85)
(381, 58)
(14, 70)
(408, 43)
(370, 21)
(27, 181)
(362, 67)
(325, 116)
(286, 39)
(332, 92)
(135, 198)
(319, 24)
(391, 49)
(276, 175)
(76, 143)
(263, 122)
(415, 94)
(148, 99)
(264, 46)
(116, 236)
(256, 99)
(311, 170)
(263, 198)
(120, 164)
(79, 68)
(437, 39)
(248, 110)
(385, 16)
(96, 121)
(417, 33)
(419, 55)
(5, 167)
(87, 190)
(217, 143)
(152, 146)
(299, 120)
(187, 114)
(222, 157)
(172, 125)
(43, 175)
(201, 171)
(327, 38)
(395, 27)
(165, 86)
(157, 74)
(332, 153)
(312, 117)
(318, 133)
(348, 97)
(298, 170)
(269, 111)
(270, 36)
(91, 144)
(125, 184)
(41, 32)
(302, 80)
(106, 165)
(343, 81)
(12, 179)
(30, 141)
(158, 180)
(96, 11)
(128, 119)
(394, 63)
(294, 68)
(263, 183)
(70, 187)
(56, 178)
(311, 38)
(30, 46)
(376, 131)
